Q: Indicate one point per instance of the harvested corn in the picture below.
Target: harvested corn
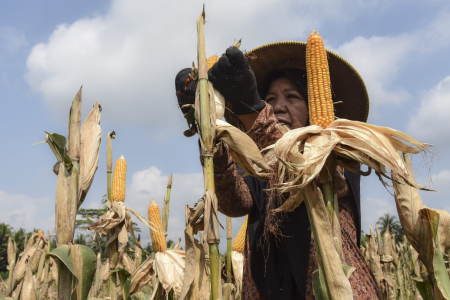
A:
(321, 110)
(119, 180)
(239, 241)
(156, 229)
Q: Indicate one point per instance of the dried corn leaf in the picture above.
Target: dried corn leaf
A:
(211, 219)
(91, 137)
(195, 285)
(243, 149)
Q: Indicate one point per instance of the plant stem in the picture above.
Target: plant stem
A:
(66, 205)
(229, 237)
(214, 262)
(328, 194)
(165, 217)
(207, 154)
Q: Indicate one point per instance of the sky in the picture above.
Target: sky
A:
(126, 53)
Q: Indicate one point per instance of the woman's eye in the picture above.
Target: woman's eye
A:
(270, 99)
(293, 96)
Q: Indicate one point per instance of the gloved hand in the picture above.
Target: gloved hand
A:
(185, 88)
(234, 79)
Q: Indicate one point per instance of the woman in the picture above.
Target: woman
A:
(280, 255)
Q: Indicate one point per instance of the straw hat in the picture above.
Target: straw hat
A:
(346, 84)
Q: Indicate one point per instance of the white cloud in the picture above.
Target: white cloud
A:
(27, 212)
(127, 59)
(430, 121)
(377, 59)
(13, 39)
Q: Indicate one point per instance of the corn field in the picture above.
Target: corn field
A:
(416, 268)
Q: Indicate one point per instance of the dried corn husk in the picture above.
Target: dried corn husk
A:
(243, 149)
(304, 151)
(91, 137)
(169, 269)
(28, 291)
(238, 269)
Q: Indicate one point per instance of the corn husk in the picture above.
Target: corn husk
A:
(91, 137)
(304, 151)
(238, 269)
(168, 269)
(28, 291)
(117, 220)
(243, 149)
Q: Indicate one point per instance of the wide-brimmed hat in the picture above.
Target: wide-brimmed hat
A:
(346, 83)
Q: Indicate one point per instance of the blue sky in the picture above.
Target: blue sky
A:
(127, 53)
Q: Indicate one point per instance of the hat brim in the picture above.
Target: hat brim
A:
(346, 84)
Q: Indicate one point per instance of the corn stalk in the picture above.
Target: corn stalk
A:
(207, 140)
(113, 246)
(67, 194)
(165, 214)
(229, 248)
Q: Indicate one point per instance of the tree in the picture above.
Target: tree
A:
(396, 227)
(5, 233)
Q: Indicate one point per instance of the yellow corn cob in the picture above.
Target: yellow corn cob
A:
(119, 180)
(40, 233)
(156, 231)
(321, 110)
(239, 241)
(211, 61)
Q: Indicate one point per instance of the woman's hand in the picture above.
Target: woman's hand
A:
(234, 79)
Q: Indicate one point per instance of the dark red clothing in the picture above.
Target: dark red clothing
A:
(235, 200)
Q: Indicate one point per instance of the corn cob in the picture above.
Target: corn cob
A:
(211, 61)
(119, 180)
(239, 241)
(321, 110)
(156, 229)
(40, 233)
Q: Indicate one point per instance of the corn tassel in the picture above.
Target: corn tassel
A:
(239, 241)
(321, 110)
(156, 229)
(119, 180)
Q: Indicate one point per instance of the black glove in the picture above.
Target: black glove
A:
(185, 88)
(234, 79)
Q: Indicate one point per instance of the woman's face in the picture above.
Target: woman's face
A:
(288, 102)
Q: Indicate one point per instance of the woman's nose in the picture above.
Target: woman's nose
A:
(279, 105)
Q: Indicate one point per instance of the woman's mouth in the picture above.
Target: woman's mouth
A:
(284, 122)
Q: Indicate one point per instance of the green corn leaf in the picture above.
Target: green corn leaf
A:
(81, 262)
(59, 143)
(125, 282)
